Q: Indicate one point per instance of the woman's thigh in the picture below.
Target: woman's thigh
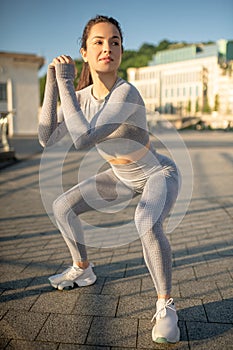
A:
(158, 197)
(100, 191)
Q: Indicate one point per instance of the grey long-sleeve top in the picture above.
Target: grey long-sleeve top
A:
(116, 125)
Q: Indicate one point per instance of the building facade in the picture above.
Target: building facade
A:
(188, 81)
(19, 91)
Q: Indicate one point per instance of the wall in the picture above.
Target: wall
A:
(23, 94)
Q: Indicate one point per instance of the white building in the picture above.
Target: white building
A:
(188, 81)
(19, 91)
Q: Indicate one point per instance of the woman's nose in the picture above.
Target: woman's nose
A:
(107, 48)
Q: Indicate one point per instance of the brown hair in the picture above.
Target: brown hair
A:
(85, 78)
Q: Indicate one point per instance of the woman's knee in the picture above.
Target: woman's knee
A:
(59, 207)
(66, 203)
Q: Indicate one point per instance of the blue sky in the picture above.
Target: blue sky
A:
(50, 28)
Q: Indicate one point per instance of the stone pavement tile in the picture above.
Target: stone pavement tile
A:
(189, 260)
(212, 336)
(64, 304)
(124, 286)
(220, 312)
(128, 257)
(184, 273)
(208, 291)
(113, 332)
(96, 305)
(3, 343)
(136, 307)
(95, 288)
(120, 348)
(225, 289)
(40, 284)
(120, 253)
(59, 258)
(147, 288)
(145, 338)
(65, 329)
(10, 253)
(179, 249)
(39, 268)
(207, 273)
(190, 310)
(100, 257)
(82, 347)
(21, 325)
(18, 299)
(15, 281)
(37, 254)
(2, 313)
(135, 246)
(56, 242)
(222, 264)
(175, 289)
(9, 265)
(111, 270)
(30, 345)
(136, 269)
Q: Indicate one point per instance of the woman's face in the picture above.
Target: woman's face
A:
(104, 48)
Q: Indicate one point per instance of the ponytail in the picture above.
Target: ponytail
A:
(85, 78)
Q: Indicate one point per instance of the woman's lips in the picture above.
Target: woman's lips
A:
(106, 59)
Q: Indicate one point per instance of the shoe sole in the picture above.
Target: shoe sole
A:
(70, 284)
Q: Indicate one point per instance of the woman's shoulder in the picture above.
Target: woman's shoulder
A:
(129, 90)
(84, 93)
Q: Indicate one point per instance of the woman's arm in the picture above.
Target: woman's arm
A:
(123, 102)
(48, 130)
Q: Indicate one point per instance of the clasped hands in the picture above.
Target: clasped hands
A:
(61, 60)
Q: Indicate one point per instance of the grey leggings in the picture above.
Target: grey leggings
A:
(156, 200)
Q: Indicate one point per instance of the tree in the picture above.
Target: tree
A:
(189, 106)
(216, 103)
(197, 107)
(42, 88)
(206, 107)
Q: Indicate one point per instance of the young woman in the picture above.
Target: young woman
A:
(108, 112)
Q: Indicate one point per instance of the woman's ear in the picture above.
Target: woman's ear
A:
(84, 54)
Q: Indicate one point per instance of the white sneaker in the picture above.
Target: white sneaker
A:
(165, 330)
(72, 275)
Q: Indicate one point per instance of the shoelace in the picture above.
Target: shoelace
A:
(166, 305)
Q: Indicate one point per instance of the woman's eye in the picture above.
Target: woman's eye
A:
(115, 43)
(98, 42)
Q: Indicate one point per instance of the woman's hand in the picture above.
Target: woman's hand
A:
(61, 60)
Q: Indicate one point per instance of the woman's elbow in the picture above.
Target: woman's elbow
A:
(43, 136)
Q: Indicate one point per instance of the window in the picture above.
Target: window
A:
(3, 92)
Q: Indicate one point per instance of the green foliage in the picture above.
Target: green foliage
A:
(140, 58)
(206, 107)
(189, 106)
(42, 88)
(216, 103)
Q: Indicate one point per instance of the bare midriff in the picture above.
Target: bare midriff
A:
(132, 157)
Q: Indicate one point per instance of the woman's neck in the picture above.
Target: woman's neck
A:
(102, 85)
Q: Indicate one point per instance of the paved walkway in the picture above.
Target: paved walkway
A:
(115, 313)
